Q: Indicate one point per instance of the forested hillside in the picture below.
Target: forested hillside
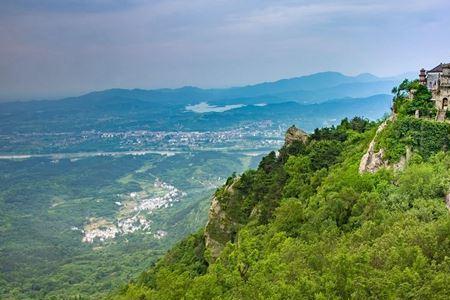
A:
(308, 223)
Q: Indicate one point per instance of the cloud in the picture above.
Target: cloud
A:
(54, 47)
(68, 6)
(310, 13)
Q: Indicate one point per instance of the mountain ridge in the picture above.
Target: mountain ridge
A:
(305, 83)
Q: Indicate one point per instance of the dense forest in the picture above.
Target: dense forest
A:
(309, 224)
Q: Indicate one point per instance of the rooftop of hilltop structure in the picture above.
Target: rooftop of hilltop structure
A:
(437, 69)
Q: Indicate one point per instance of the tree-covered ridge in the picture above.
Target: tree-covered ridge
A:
(309, 226)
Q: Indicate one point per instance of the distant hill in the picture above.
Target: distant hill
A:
(114, 112)
(307, 83)
(313, 88)
(114, 109)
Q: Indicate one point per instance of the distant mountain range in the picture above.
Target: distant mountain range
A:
(318, 94)
(313, 88)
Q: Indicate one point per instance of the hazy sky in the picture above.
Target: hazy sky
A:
(52, 48)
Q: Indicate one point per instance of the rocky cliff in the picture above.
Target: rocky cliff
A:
(293, 134)
(231, 206)
(374, 160)
(220, 228)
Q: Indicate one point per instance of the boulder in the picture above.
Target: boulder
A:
(294, 134)
(220, 228)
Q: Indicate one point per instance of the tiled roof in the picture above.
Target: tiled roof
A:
(436, 69)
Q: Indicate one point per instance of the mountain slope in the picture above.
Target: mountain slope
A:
(306, 224)
(307, 83)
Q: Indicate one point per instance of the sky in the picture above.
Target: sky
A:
(58, 48)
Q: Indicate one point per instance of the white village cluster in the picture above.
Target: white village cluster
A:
(143, 206)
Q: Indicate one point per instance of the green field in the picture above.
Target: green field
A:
(42, 201)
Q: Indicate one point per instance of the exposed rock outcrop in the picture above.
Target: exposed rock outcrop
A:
(294, 134)
(372, 161)
(223, 225)
(401, 165)
(219, 229)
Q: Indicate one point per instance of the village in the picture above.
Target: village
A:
(134, 214)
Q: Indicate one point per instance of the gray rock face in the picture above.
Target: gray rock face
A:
(219, 229)
(216, 218)
(372, 161)
(401, 165)
(294, 134)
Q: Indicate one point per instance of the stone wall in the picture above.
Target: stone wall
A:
(439, 85)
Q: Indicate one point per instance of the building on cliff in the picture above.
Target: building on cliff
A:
(437, 80)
